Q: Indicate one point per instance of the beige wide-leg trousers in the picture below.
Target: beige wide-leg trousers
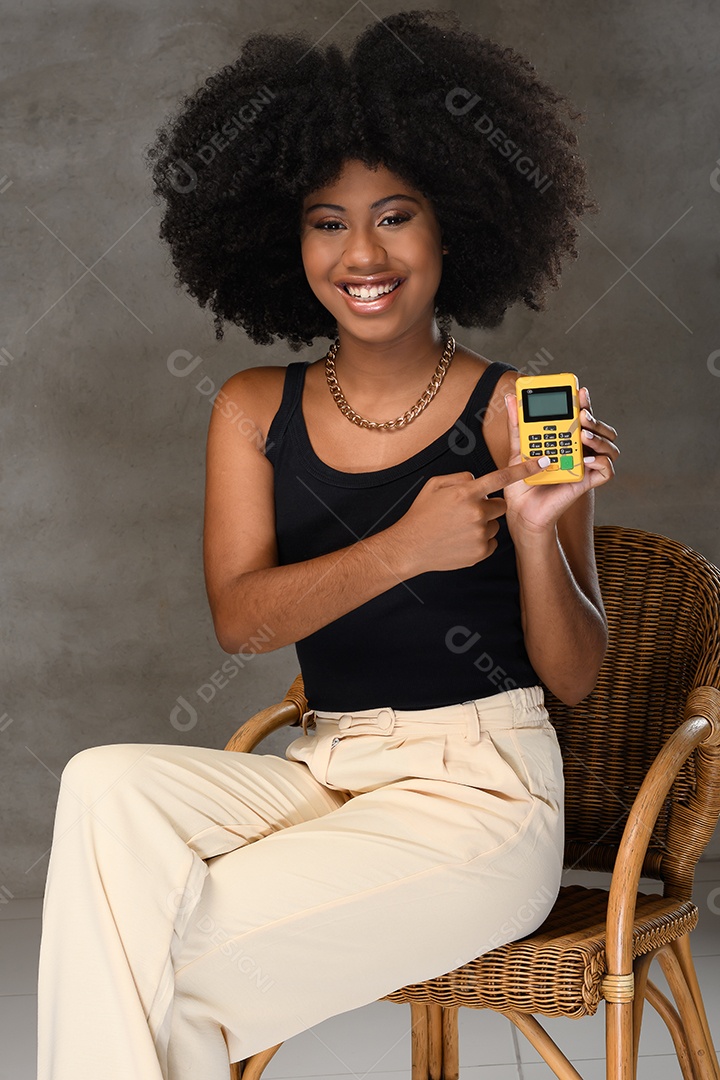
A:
(202, 905)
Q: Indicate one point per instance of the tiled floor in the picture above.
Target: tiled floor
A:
(375, 1039)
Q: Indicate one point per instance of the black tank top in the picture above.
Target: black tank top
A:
(436, 639)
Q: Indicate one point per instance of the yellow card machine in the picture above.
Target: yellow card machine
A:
(549, 421)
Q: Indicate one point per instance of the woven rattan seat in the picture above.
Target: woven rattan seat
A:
(641, 758)
(555, 972)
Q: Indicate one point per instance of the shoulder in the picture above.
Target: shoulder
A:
(480, 364)
(494, 425)
(255, 393)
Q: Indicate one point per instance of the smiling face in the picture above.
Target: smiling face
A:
(372, 252)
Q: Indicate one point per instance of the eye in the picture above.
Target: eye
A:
(390, 219)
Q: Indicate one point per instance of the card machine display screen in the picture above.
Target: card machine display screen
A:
(553, 403)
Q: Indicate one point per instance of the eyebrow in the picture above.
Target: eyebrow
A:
(373, 206)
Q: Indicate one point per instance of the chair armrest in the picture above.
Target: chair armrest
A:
(700, 725)
(257, 727)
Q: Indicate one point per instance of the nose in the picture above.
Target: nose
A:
(364, 250)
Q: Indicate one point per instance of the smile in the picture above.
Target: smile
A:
(371, 292)
(373, 298)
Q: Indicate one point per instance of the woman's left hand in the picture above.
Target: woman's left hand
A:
(535, 508)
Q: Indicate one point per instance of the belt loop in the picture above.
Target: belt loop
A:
(308, 717)
(473, 717)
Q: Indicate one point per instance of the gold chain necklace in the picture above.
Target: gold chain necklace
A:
(400, 421)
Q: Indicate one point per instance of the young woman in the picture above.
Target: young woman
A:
(370, 507)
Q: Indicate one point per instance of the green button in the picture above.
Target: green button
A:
(566, 462)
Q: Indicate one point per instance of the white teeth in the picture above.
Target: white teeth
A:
(370, 292)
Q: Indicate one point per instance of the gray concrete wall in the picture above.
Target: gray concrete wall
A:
(106, 630)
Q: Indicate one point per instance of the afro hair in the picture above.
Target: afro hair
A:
(458, 117)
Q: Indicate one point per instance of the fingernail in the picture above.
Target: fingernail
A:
(589, 434)
(589, 458)
(543, 462)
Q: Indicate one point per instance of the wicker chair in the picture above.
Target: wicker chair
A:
(642, 769)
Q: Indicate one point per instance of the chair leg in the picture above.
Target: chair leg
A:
(704, 1059)
(619, 1040)
(641, 968)
(435, 1045)
(420, 1039)
(681, 949)
(548, 1049)
(451, 1043)
(434, 1041)
(252, 1068)
(674, 1025)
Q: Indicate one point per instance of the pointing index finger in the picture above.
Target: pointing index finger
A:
(501, 478)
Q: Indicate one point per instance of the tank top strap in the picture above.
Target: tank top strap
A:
(485, 387)
(291, 397)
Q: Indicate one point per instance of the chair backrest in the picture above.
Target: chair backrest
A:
(663, 606)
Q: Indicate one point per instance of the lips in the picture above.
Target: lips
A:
(370, 294)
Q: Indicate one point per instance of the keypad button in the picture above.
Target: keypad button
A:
(549, 427)
(536, 453)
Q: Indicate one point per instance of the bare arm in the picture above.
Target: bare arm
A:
(563, 616)
(246, 587)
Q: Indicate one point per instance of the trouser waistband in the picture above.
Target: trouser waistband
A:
(520, 707)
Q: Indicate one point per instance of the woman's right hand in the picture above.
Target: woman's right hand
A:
(452, 523)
